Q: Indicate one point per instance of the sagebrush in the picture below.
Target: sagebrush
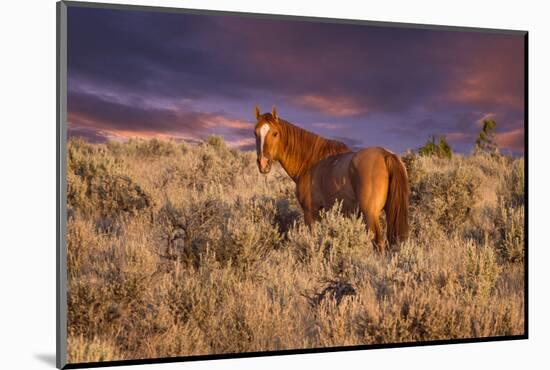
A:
(177, 250)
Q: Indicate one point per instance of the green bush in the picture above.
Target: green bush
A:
(485, 142)
(441, 149)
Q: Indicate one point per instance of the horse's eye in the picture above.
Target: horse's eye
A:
(275, 134)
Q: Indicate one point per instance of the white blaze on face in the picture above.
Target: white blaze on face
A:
(263, 131)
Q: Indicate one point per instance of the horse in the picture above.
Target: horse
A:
(326, 171)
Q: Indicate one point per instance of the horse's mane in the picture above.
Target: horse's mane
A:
(303, 148)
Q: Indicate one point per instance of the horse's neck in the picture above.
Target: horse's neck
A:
(303, 149)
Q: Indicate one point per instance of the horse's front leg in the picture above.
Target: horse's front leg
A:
(310, 216)
(304, 196)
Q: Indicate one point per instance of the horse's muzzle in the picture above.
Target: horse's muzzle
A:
(264, 165)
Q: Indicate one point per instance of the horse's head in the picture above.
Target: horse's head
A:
(268, 136)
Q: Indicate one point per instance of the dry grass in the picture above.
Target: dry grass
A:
(178, 250)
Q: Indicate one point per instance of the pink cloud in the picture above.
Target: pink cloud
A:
(488, 72)
(459, 136)
(513, 140)
(486, 116)
(219, 120)
(484, 90)
(334, 106)
(242, 143)
(123, 122)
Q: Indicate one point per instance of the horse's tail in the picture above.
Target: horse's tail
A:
(397, 204)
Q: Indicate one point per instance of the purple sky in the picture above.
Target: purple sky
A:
(144, 74)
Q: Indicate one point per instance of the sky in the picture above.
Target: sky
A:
(185, 77)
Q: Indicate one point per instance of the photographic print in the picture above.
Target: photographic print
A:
(253, 184)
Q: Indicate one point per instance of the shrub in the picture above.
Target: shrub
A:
(510, 228)
(444, 195)
(512, 189)
(109, 291)
(96, 182)
(481, 270)
(286, 215)
(216, 142)
(214, 164)
(190, 230)
(81, 350)
(485, 142)
(250, 233)
(147, 148)
(240, 235)
(441, 149)
(155, 147)
(335, 289)
(221, 262)
(335, 239)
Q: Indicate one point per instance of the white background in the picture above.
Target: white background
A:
(27, 182)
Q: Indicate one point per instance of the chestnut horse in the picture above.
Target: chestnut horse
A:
(326, 171)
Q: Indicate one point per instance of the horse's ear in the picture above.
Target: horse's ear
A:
(274, 114)
(257, 111)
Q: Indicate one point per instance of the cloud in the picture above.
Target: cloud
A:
(490, 72)
(333, 106)
(86, 110)
(243, 144)
(232, 123)
(459, 137)
(95, 118)
(194, 56)
(153, 73)
(352, 143)
(330, 126)
(513, 140)
(485, 117)
(91, 135)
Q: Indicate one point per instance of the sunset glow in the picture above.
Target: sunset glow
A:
(182, 76)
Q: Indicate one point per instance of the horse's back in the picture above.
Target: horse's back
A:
(350, 176)
(370, 158)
